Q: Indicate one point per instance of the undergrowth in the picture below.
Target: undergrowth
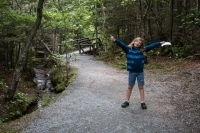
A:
(156, 63)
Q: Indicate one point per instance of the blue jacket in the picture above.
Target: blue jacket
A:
(135, 57)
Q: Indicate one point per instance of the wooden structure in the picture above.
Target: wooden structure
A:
(84, 45)
(93, 45)
(43, 52)
(40, 53)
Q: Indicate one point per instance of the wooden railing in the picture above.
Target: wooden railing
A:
(93, 45)
(84, 45)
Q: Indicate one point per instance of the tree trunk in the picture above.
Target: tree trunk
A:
(17, 52)
(142, 20)
(149, 28)
(12, 56)
(7, 57)
(21, 61)
(54, 37)
(103, 28)
(172, 18)
(96, 25)
(26, 62)
(56, 42)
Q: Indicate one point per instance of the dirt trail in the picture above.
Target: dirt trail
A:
(92, 104)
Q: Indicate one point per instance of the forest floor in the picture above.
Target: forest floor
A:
(92, 102)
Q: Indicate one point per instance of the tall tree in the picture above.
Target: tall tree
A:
(22, 58)
(172, 18)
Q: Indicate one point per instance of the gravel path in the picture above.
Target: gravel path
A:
(92, 104)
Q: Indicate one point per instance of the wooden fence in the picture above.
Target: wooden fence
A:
(92, 45)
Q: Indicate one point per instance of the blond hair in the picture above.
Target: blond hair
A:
(131, 45)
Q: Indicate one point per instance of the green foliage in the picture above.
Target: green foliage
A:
(3, 85)
(75, 19)
(116, 59)
(60, 80)
(167, 73)
(55, 57)
(182, 52)
(151, 66)
(73, 57)
(60, 87)
(70, 16)
(18, 106)
(68, 45)
(45, 100)
(3, 2)
(127, 2)
(190, 20)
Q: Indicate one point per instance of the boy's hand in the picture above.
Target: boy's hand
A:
(112, 38)
(162, 42)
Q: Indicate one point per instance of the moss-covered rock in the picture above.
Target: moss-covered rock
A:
(60, 80)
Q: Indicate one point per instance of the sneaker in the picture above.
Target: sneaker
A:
(125, 104)
(143, 105)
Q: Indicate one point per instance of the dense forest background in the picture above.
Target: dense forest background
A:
(27, 25)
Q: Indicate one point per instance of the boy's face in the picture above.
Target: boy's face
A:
(137, 43)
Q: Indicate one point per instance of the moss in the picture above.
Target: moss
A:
(59, 88)
(45, 100)
(60, 80)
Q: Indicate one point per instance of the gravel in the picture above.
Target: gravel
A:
(92, 104)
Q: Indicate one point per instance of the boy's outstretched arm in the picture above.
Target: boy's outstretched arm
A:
(119, 43)
(153, 45)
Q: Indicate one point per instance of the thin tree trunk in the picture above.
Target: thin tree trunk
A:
(148, 21)
(26, 62)
(142, 19)
(103, 28)
(96, 26)
(172, 18)
(54, 37)
(21, 61)
(7, 57)
(17, 52)
(157, 20)
(12, 56)
(149, 28)
(53, 40)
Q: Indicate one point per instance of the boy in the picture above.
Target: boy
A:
(135, 65)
